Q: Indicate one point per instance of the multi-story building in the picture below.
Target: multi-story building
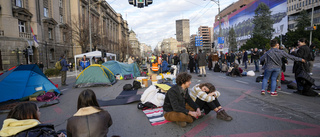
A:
(47, 19)
(145, 50)
(205, 32)
(296, 6)
(171, 45)
(58, 30)
(183, 30)
(134, 44)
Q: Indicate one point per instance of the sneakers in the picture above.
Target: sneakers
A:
(274, 94)
(222, 116)
(263, 92)
(268, 91)
(181, 124)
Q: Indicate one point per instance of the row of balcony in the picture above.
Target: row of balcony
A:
(21, 35)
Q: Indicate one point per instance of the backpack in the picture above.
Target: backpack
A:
(136, 85)
(58, 65)
(127, 87)
(216, 68)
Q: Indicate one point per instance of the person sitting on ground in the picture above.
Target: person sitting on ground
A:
(90, 119)
(178, 105)
(23, 121)
(206, 97)
(236, 71)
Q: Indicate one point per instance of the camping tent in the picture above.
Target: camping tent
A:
(96, 54)
(95, 74)
(23, 81)
(122, 68)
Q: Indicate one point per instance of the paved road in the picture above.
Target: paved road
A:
(288, 114)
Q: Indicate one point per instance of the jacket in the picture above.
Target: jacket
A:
(26, 128)
(255, 55)
(184, 57)
(64, 64)
(84, 63)
(151, 95)
(89, 122)
(273, 58)
(202, 59)
(302, 52)
(196, 92)
(176, 100)
(215, 57)
(175, 60)
(245, 56)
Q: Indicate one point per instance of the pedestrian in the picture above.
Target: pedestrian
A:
(170, 58)
(70, 66)
(215, 57)
(89, 120)
(255, 57)
(64, 70)
(191, 62)
(303, 51)
(84, 63)
(245, 59)
(202, 63)
(41, 66)
(206, 97)
(24, 121)
(210, 61)
(164, 56)
(272, 65)
(222, 59)
(184, 58)
(232, 58)
(251, 59)
(239, 57)
(178, 105)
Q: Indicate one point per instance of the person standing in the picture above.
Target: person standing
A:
(215, 58)
(84, 63)
(202, 63)
(164, 56)
(169, 58)
(41, 66)
(232, 58)
(184, 58)
(191, 62)
(245, 59)
(210, 61)
(178, 105)
(64, 70)
(273, 64)
(255, 58)
(239, 57)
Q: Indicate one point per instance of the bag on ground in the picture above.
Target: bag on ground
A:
(127, 87)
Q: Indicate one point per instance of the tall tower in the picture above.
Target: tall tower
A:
(183, 30)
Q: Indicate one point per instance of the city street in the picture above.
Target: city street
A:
(253, 114)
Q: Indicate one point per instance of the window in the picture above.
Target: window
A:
(300, 4)
(22, 26)
(50, 33)
(46, 12)
(60, 3)
(64, 36)
(61, 19)
(306, 2)
(303, 3)
(309, 1)
(19, 3)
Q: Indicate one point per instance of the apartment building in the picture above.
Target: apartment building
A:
(205, 32)
(183, 30)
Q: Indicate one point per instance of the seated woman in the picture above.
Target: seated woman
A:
(205, 95)
(90, 120)
(236, 71)
(23, 121)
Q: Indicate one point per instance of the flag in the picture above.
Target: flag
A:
(36, 44)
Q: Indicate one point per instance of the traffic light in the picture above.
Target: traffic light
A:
(213, 45)
(314, 27)
(140, 3)
(132, 2)
(148, 2)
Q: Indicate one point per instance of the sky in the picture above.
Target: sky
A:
(156, 22)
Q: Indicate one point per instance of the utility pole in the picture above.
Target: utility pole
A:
(311, 23)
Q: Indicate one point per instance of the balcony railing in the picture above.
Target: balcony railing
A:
(25, 35)
(1, 33)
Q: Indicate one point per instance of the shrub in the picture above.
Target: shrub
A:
(52, 72)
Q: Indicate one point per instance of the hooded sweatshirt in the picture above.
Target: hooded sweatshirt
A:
(13, 126)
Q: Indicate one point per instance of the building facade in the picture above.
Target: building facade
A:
(134, 44)
(296, 6)
(205, 32)
(171, 45)
(58, 30)
(183, 30)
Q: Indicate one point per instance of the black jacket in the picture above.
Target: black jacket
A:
(255, 55)
(176, 100)
(41, 130)
(176, 60)
(302, 52)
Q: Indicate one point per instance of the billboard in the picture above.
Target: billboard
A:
(241, 20)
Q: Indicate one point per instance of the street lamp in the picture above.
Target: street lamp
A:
(311, 22)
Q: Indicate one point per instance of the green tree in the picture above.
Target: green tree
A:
(262, 21)
(232, 39)
(256, 42)
(303, 20)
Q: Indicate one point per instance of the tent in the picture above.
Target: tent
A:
(94, 75)
(122, 68)
(23, 81)
(96, 54)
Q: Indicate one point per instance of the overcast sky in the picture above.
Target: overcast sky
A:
(156, 22)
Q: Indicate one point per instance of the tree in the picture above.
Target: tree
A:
(256, 42)
(262, 21)
(303, 20)
(232, 40)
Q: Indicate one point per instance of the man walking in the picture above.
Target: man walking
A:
(202, 63)
(178, 105)
(255, 57)
(184, 58)
(64, 70)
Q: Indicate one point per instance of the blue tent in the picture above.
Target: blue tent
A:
(23, 81)
(122, 68)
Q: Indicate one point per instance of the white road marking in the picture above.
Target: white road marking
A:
(242, 82)
(63, 89)
(222, 77)
(285, 92)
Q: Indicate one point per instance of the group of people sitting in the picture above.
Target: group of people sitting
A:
(89, 120)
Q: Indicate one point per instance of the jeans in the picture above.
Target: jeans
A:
(245, 65)
(184, 67)
(196, 68)
(207, 106)
(274, 74)
(256, 63)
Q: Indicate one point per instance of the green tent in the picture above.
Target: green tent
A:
(95, 75)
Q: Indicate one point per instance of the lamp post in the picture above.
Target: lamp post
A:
(311, 22)
(45, 44)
